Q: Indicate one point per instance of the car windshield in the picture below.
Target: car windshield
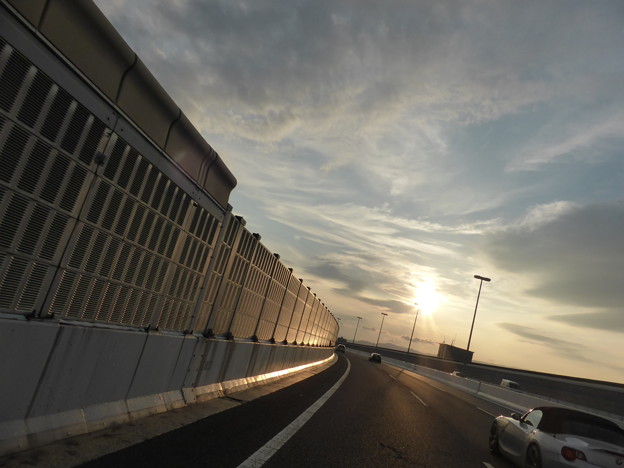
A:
(583, 426)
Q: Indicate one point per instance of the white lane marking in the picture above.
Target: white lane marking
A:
(392, 377)
(262, 455)
(486, 412)
(488, 465)
(419, 399)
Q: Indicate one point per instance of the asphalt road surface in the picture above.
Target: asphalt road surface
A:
(379, 416)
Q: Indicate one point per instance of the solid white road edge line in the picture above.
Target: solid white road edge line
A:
(262, 455)
(419, 399)
(488, 465)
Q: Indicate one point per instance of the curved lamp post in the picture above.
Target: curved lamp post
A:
(382, 320)
(481, 280)
(356, 327)
(412, 335)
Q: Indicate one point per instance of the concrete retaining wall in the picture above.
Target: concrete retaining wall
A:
(63, 379)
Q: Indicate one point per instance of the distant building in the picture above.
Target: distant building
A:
(453, 353)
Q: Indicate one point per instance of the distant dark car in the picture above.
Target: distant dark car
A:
(341, 348)
(375, 357)
(558, 437)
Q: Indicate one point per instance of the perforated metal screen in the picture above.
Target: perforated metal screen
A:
(118, 243)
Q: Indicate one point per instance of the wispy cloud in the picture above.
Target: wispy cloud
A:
(528, 335)
(571, 259)
(581, 145)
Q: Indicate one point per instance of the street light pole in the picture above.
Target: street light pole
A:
(382, 320)
(481, 280)
(412, 335)
(356, 327)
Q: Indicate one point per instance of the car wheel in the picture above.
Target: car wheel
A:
(533, 458)
(493, 440)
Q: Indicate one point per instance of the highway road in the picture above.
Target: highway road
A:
(378, 416)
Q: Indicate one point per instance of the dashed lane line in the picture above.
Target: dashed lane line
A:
(262, 455)
(419, 399)
(486, 464)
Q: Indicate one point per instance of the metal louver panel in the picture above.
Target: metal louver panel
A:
(269, 323)
(31, 237)
(287, 309)
(252, 297)
(47, 142)
(133, 247)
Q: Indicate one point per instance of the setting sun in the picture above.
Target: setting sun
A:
(427, 297)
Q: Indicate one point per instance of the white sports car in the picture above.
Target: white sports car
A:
(553, 437)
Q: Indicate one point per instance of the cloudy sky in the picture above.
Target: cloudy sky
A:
(390, 150)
